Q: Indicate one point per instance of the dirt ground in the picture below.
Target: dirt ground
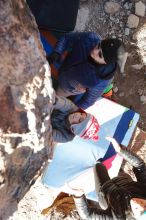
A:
(130, 88)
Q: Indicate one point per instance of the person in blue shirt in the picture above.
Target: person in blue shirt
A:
(89, 67)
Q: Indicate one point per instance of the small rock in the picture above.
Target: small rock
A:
(137, 66)
(134, 37)
(122, 13)
(140, 92)
(126, 6)
(121, 94)
(127, 31)
(128, 12)
(121, 24)
(111, 7)
(140, 9)
(111, 18)
(112, 32)
(130, 5)
(120, 35)
(115, 89)
(143, 99)
(133, 21)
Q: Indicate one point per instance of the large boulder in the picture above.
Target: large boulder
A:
(26, 98)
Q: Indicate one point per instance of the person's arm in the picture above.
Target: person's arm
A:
(68, 40)
(92, 94)
(84, 211)
(64, 105)
(139, 166)
(87, 213)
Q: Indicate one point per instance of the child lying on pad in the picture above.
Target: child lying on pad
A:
(68, 121)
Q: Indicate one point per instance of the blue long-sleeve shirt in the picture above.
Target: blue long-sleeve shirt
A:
(78, 72)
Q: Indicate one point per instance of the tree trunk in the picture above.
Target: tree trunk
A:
(26, 98)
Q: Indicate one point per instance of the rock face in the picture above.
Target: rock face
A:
(26, 98)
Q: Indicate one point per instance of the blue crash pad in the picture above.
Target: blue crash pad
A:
(73, 158)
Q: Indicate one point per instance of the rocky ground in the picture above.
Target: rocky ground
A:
(117, 18)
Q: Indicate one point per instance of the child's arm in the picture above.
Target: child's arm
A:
(64, 105)
(130, 157)
(69, 40)
(92, 94)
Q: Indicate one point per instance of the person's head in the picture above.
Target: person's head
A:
(76, 117)
(110, 50)
(97, 54)
(83, 124)
(121, 192)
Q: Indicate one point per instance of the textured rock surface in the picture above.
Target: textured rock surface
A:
(25, 85)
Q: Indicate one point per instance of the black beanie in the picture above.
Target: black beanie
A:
(110, 49)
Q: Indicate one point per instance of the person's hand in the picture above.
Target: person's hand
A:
(74, 191)
(114, 143)
(54, 57)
